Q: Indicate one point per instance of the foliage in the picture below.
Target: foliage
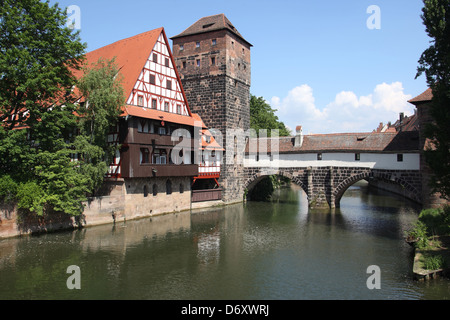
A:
(433, 262)
(262, 116)
(436, 220)
(8, 189)
(37, 53)
(435, 63)
(62, 155)
(419, 234)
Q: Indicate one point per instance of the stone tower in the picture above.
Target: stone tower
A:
(213, 60)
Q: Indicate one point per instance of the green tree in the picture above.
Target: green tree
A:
(435, 63)
(37, 55)
(262, 116)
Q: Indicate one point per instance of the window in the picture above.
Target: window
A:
(181, 188)
(143, 126)
(184, 64)
(144, 155)
(154, 103)
(152, 79)
(167, 62)
(213, 61)
(198, 62)
(214, 42)
(166, 106)
(319, 156)
(197, 44)
(162, 130)
(145, 192)
(155, 190)
(140, 101)
(357, 156)
(159, 156)
(400, 157)
(181, 47)
(169, 187)
(155, 58)
(169, 84)
(179, 108)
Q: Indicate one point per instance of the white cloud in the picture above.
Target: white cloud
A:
(346, 113)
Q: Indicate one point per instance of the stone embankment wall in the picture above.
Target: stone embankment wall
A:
(122, 200)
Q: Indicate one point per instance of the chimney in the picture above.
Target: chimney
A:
(402, 115)
(298, 137)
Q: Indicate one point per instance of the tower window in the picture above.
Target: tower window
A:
(184, 64)
(213, 61)
(214, 42)
(198, 62)
(197, 44)
(181, 47)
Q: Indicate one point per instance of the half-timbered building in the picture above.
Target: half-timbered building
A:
(157, 131)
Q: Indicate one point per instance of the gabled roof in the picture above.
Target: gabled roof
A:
(425, 96)
(130, 56)
(211, 23)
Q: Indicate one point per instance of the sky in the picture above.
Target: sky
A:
(330, 66)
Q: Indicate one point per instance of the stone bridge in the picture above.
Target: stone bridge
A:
(324, 166)
(324, 186)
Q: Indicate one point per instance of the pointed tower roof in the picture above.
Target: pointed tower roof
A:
(425, 96)
(211, 23)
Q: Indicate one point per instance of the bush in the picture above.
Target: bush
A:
(436, 220)
(8, 189)
(419, 234)
(31, 197)
(433, 262)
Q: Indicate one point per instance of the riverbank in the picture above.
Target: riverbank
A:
(420, 270)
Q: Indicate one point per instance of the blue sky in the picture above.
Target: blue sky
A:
(316, 62)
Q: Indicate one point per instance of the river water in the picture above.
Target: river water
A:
(279, 250)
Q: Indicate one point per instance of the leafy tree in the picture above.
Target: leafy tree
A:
(435, 63)
(262, 116)
(37, 53)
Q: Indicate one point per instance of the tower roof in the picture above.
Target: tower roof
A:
(211, 23)
(425, 96)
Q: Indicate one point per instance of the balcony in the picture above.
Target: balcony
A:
(208, 171)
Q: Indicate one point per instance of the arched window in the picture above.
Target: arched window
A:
(145, 191)
(168, 187)
(181, 188)
(155, 189)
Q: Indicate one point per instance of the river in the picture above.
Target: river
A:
(279, 250)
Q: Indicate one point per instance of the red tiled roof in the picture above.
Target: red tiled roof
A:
(427, 95)
(130, 56)
(350, 142)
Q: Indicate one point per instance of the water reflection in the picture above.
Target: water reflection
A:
(278, 250)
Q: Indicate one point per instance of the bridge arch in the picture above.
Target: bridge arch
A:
(255, 178)
(408, 190)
